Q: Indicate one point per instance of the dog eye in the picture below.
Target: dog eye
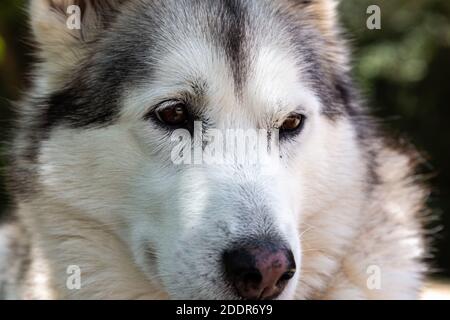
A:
(172, 113)
(293, 122)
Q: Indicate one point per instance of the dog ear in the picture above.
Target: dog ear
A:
(326, 13)
(323, 14)
(57, 21)
(63, 29)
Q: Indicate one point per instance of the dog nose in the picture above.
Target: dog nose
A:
(261, 271)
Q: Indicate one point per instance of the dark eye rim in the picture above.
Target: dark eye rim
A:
(153, 114)
(296, 130)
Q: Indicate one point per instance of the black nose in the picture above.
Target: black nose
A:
(260, 270)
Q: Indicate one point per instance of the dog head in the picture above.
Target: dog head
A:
(138, 105)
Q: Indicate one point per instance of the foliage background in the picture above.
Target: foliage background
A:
(403, 70)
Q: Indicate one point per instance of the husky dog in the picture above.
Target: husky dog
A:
(102, 210)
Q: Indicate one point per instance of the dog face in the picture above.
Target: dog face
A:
(127, 126)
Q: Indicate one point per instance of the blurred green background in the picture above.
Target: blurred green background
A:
(403, 70)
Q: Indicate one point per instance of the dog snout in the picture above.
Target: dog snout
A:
(260, 271)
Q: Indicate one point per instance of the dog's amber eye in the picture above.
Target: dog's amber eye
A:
(172, 113)
(293, 122)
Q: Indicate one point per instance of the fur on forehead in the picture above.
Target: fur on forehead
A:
(58, 43)
(63, 49)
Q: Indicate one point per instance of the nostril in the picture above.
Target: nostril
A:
(252, 277)
(259, 271)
